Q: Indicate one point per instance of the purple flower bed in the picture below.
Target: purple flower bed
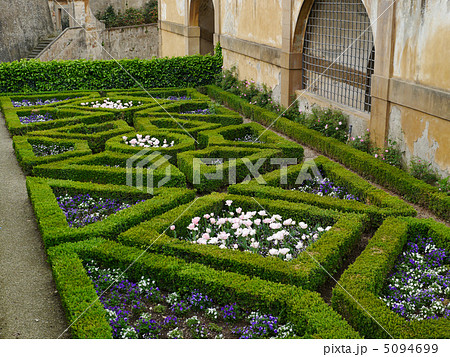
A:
(28, 103)
(82, 209)
(35, 118)
(48, 150)
(175, 98)
(143, 311)
(206, 111)
(419, 286)
(325, 187)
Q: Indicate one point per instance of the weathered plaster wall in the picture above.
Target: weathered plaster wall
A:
(248, 20)
(131, 42)
(119, 43)
(22, 24)
(173, 11)
(422, 135)
(421, 50)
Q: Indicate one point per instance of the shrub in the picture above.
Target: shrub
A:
(423, 170)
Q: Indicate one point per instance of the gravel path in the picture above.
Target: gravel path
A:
(29, 303)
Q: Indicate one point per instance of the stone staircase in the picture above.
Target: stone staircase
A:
(40, 47)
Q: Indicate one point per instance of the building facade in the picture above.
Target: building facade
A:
(382, 62)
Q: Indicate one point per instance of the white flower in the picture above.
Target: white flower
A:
(223, 246)
(288, 256)
(207, 216)
(172, 228)
(228, 202)
(238, 210)
(202, 241)
(235, 246)
(287, 222)
(275, 225)
(262, 213)
(328, 228)
(273, 251)
(212, 220)
(257, 222)
(284, 251)
(320, 229)
(299, 245)
(255, 245)
(208, 230)
(303, 225)
(206, 236)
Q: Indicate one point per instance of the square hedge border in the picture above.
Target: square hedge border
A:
(53, 224)
(28, 159)
(364, 280)
(310, 315)
(96, 140)
(91, 168)
(242, 156)
(270, 140)
(410, 188)
(182, 143)
(180, 126)
(330, 250)
(377, 203)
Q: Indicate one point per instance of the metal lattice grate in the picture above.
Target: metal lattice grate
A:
(338, 53)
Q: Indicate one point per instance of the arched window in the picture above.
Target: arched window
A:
(339, 53)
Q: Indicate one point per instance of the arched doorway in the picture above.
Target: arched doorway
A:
(202, 16)
(337, 46)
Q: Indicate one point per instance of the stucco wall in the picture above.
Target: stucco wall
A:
(422, 37)
(131, 42)
(22, 24)
(173, 10)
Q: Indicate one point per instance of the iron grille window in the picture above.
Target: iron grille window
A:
(338, 53)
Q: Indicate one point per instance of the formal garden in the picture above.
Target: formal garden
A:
(186, 253)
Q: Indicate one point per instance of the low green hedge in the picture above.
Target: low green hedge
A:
(308, 270)
(357, 295)
(310, 315)
(28, 159)
(267, 139)
(53, 224)
(235, 166)
(376, 203)
(182, 143)
(95, 134)
(61, 117)
(174, 110)
(111, 168)
(401, 182)
(180, 126)
(163, 93)
(36, 76)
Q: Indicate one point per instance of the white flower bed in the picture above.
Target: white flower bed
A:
(147, 142)
(107, 104)
(254, 232)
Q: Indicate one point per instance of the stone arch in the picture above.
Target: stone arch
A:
(337, 51)
(202, 15)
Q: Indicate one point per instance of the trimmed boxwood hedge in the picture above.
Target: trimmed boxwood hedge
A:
(310, 315)
(95, 134)
(269, 140)
(376, 203)
(329, 251)
(182, 142)
(243, 157)
(36, 76)
(401, 182)
(52, 222)
(27, 158)
(364, 280)
(92, 168)
(181, 126)
(61, 117)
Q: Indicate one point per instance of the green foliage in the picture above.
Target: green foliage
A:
(423, 170)
(329, 122)
(306, 310)
(35, 76)
(391, 154)
(53, 224)
(357, 296)
(399, 181)
(361, 142)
